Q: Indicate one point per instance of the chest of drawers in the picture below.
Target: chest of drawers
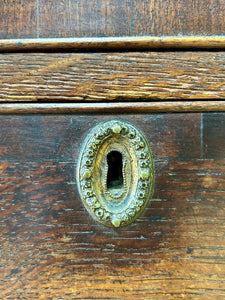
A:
(66, 66)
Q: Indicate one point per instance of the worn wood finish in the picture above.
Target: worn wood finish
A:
(114, 44)
(130, 18)
(214, 135)
(45, 137)
(75, 18)
(113, 108)
(52, 249)
(18, 19)
(146, 76)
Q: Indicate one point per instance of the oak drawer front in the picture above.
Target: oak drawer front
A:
(112, 77)
(31, 19)
(51, 247)
(66, 66)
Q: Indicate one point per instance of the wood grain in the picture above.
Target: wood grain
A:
(146, 76)
(113, 44)
(214, 135)
(18, 19)
(130, 18)
(24, 137)
(113, 108)
(111, 18)
(52, 249)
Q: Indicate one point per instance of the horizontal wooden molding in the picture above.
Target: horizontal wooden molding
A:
(114, 43)
(104, 108)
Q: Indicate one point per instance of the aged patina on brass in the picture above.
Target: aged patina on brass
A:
(115, 173)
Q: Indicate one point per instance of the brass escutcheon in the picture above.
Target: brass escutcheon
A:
(115, 173)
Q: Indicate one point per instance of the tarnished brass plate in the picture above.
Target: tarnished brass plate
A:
(115, 173)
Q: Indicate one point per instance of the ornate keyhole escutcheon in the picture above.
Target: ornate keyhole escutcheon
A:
(115, 173)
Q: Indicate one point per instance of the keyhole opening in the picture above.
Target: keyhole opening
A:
(115, 171)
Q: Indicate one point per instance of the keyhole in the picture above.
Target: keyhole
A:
(115, 171)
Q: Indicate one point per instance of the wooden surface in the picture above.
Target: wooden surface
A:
(113, 108)
(76, 18)
(96, 77)
(18, 19)
(52, 249)
(97, 44)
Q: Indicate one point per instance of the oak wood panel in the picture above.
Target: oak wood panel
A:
(52, 249)
(214, 135)
(145, 76)
(130, 18)
(35, 137)
(18, 19)
(104, 18)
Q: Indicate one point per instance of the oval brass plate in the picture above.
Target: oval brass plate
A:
(115, 173)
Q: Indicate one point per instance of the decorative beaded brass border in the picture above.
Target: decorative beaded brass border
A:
(120, 131)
